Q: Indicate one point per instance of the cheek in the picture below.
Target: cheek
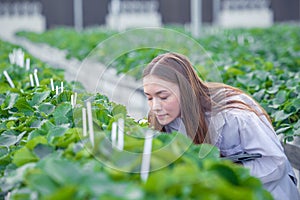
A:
(173, 106)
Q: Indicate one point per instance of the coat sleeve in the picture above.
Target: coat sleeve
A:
(245, 132)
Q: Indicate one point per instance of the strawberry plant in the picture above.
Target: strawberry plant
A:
(263, 62)
(44, 154)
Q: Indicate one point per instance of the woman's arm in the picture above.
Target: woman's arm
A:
(245, 132)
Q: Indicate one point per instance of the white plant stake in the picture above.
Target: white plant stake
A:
(72, 100)
(146, 156)
(20, 58)
(37, 82)
(61, 86)
(75, 99)
(12, 58)
(8, 79)
(31, 80)
(56, 88)
(120, 134)
(90, 122)
(52, 84)
(84, 122)
(27, 64)
(114, 134)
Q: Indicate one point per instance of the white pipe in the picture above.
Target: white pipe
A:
(78, 15)
(121, 134)
(36, 78)
(31, 80)
(11, 83)
(84, 129)
(196, 17)
(52, 84)
(146, 156)
(90, 122)
(114, 134)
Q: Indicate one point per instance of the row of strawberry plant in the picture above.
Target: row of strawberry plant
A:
(263, 62)
(76, 44)
(265, 65)
(45, 155)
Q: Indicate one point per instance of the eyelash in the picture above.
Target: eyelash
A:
(162, 98)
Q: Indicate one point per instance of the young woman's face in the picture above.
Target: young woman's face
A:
(163, 98)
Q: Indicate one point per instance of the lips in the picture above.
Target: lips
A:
(161, 117)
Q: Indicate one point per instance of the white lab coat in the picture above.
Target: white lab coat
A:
(235, 131)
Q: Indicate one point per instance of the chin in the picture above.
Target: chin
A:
(164, 122)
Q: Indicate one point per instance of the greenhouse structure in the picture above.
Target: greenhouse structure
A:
(80, 119)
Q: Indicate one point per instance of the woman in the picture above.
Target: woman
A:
(218, 114)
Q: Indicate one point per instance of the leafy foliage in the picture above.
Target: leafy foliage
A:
(44, 155)
(263, 62)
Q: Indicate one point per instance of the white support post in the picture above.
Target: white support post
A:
(196, 17)
(90, 122)
(216, 11)
(84, 127)
(78, 14)
(115, 7)
(145, 167)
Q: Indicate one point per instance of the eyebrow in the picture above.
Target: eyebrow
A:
(157, 93)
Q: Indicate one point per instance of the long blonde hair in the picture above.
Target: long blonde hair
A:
(196, 96)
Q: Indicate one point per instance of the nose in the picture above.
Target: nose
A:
(156, 104)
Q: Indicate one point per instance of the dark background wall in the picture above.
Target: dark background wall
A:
(178, 11)
(60, 12)
(94, 12)
(174, 11)
(286, 10)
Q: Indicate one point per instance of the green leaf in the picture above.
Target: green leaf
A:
(9, 101)
(297, 124)
(10, 137)
(62, 114)
(62, 193)
(208, 151)
(103, 116)
(280, 97)
(284, 129)
(46, 108)
(273, 90)
(235, 71)
(70, 135)
(24, 107)
(296, 103)
(297, 132)
(119, 109)
(4, 152)
(39, 97)
(64, 97)
(40, 182)
(23, 193)
(32, 143)
(226, 172)
(56, 132)
(259, 95)
(42, 150)
(280, 115)
(14, 177)
(244, 79)
(23, 156)
(62, 171)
